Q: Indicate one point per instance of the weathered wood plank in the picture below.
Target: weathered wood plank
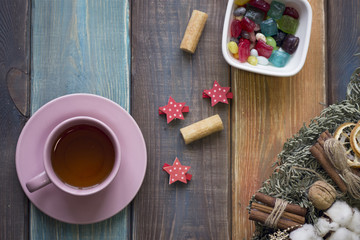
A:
(200, 209)
(14, 98)
(80, 46)
(267, 111)
(343, 42)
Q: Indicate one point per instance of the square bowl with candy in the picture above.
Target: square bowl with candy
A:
(267, 37)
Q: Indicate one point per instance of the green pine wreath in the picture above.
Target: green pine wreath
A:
(296, 169)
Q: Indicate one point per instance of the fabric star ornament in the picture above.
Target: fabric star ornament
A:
(218, 94)
(177, 172)
(173, 110)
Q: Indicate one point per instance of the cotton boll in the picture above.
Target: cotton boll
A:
(354, 224)
(343, 234)
(306, 232)
(323, 226)
(340, 212)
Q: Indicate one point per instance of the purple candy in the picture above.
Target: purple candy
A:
(290, 44)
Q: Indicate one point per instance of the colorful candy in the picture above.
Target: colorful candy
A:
(254, 14)
(235, 28)
(263, 33)
(244, 49)
(291, 12)
(239, 12)
(252, 60)
(269, 27)
(290, 44)
(260, 4)
(276, 10)
(247, 24)
(241, 2)
(263, 49)
(279, 59)
(233, 47)
(262, 60)
(288, 24)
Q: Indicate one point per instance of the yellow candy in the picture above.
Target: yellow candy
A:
(252, 60)
(241, 2)
(236, 55)
(233, 47)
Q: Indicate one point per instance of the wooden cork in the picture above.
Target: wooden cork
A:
(193, 31)
(202, 129)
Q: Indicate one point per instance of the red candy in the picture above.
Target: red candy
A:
(291, 12)
(244, 49)
(263, 49)
(247, 24)
(235, 28)
(260, 4)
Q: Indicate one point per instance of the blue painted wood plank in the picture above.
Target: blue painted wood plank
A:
(80, 46)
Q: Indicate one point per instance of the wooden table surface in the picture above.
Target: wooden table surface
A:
(128, 51)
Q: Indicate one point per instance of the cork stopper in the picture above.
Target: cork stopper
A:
(202, 129)
(193, 31)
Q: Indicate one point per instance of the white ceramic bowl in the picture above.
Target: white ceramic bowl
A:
(296, 61)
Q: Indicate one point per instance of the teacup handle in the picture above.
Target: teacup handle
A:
(38, 182)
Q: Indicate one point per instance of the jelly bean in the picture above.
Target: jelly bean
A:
(241, 2)
(244, 49)
(291, 12)
(263, 49)
(269, 27)
(240, 11)
(247, 24)
(235, 28)
(260, 4)
(236, 55)
(279, 59)
(290, 44)
(276, 10)
(262, 60)
(254, 14)
(254, 52)
(234, 40)
(288, 24)
(271, 41)
(260, 36)
(252, 60)
(233, 47)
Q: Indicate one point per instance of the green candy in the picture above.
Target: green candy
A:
(288, 24)
(271, 41)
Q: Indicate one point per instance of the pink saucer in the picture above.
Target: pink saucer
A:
(102, 205)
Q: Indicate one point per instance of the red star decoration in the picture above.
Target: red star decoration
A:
(218, 94)
(173, 110)
(177, 172)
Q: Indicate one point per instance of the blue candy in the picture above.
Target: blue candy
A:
(279, 59)
(269, 27)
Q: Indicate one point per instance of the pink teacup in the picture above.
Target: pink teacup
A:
(81, 157)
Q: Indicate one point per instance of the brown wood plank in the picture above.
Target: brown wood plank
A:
(14, 98)
(202, 208)
(267, 111)
(343, 41)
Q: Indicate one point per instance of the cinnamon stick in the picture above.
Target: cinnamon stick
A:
(270, 201)
(261, 217)
(318, 152)
(286, 215)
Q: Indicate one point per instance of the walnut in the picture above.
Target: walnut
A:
(322, 195)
